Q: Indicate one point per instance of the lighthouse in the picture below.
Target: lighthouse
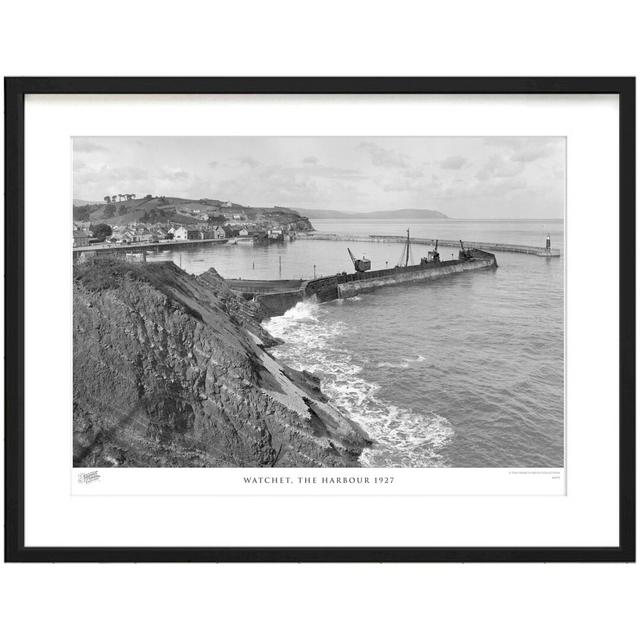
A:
(548, 245)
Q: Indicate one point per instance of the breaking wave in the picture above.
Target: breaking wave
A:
(405, 363)
(403, 438)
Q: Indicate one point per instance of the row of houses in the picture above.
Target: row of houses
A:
(137, 232)
(198, 233)
(129, 236)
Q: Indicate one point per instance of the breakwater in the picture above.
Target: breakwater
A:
(277, 296)
(484, 246)
(397, 276)
(347, 285)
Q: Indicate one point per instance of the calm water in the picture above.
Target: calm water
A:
(466, 371)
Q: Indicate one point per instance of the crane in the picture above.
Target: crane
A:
(359, 265)
(464, 254)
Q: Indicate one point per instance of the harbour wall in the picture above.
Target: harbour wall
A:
(276, 304)
(484, 246)
(276, 296)
(350, 289)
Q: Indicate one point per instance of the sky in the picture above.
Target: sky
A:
(463, 177)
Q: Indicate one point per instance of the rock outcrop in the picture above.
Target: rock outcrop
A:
(170, 370)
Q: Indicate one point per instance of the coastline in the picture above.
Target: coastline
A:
(172, 369)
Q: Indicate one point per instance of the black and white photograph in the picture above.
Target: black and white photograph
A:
(320, 320)
(321, 301)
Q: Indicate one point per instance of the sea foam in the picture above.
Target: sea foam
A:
(403, 437)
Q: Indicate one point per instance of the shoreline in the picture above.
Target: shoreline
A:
(196, 384)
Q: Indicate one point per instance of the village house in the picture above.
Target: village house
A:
(213, 233)
(243, 232)
(180, 233)
(81, 238)
(122, 236)
(275, 234)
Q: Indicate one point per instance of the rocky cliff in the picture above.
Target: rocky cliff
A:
(170, 370)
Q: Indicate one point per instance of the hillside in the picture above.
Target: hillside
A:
(407, 214)
(171, 370)
(185, 211)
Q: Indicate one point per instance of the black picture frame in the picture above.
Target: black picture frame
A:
(15, 91)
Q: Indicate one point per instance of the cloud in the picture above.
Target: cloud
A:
(82, 145)
(173, 174)
(508, 142)
(532, 153)
(213, 164)
(106, 173)
(249, 161)
(333, 173)
(453, 162)
(270, 172)
(305, 185)
(499, 167)
(527, 149)
(310, 160)
(105, 179)
(382, 157)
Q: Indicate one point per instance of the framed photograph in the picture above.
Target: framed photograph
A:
(320, 319)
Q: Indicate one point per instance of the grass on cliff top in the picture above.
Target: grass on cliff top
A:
(186, 290)
(109, 274)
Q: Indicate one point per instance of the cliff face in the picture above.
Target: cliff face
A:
(302, 224)
(169, 370)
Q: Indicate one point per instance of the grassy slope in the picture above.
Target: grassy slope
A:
(137, 208)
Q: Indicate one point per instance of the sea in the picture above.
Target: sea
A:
(462, 371)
